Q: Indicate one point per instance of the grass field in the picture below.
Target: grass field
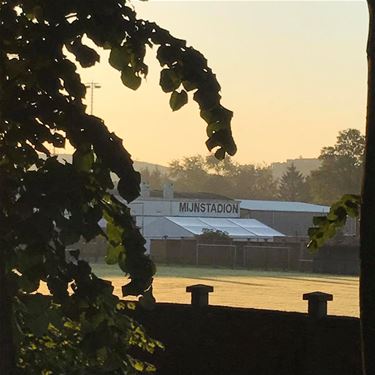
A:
(243, 288)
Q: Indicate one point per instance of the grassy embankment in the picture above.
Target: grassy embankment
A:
(248, 288)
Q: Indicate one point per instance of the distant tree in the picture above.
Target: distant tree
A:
(189, 174)
(341, 169)
(212, 235)
(247, 181)
(145, 174)
(254, 182)
(292, 185)
(350, 144)
(156, 178)
(224, 167)
(218, 184)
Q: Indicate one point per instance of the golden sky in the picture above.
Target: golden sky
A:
(294, 73)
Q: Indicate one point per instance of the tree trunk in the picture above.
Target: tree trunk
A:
(367, 230)
(7, 362)
(7, 354)
(7, 357)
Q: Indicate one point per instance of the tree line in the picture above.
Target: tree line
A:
(339, 173)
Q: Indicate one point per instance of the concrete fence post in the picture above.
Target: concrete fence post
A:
(317, 304)
(199, 294)
(317, 311)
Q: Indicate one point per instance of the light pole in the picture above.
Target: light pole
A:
(92, 86)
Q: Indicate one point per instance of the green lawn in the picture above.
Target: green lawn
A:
(247, 288)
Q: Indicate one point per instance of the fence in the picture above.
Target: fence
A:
(215, 340)
(283, 254)
(287, 254)
(242, 254)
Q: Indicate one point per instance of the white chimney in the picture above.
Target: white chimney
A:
(168, 192)
(145, 190)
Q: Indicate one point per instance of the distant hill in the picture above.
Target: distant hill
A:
(303, 165)
(138, 165)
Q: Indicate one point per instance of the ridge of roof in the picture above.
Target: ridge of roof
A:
(264, 205)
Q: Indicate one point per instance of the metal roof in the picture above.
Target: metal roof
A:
(257, 205)
(235, 228)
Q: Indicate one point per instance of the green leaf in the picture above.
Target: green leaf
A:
(27, 285)
(137, 364)
(70, 236)
(212, 128)
(114, 232)
(327, 226)
(220, 154)
(167, 54)
(149, 367)
(102, 353)
(319, 220)
(128, 191)
(119, 58)
(113, 253)
(83, 159)
(169, 80)
(85, 55)
(178, 100)
(189, 85)
(39, 325)
(35, 12)
(130, 79)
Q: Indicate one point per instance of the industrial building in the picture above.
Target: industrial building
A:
(161, 217)
(259, 234)
(176, 218)
(290, 218)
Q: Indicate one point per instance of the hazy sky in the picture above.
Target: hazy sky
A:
(294, 73)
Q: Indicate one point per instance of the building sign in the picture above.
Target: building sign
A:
(188, 207)
(219, 209)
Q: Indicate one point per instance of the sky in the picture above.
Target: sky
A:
(294, 73)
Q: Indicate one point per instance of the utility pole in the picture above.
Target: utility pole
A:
(92, 86)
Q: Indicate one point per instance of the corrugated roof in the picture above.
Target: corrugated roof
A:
(236, 228)
(258, 205)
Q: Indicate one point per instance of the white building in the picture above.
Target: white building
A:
(291, 218)
(162, 217)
